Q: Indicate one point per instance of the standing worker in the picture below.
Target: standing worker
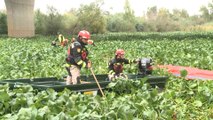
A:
(77, 57)
(115, 65)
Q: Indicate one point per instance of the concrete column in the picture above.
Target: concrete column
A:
(20, 18)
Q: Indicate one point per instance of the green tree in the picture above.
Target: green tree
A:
(92, 18)
(210, 5)
(129, 13)
(3, 22)
(122, 22)
(39, 22)
(196, 20)
(129, 17)
(53, 21)
(151, 16)
(205, 13)
(180, 14)
(116, 23)
(181, 18)
(152, 13)
(70, 22)
(164, 22)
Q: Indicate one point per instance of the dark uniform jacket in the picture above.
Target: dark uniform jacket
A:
(77, 54)
(116, 65)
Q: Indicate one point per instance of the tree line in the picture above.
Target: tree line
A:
(92, 18)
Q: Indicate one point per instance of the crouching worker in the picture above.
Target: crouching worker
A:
(61, 40)
(77, 57)
(115, 65)
(145, 66)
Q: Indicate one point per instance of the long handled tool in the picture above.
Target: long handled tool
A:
(97, 82)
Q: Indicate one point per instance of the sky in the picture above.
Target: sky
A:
(113, 6)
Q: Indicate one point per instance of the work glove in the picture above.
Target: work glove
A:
(53, 43)
(91, 42)
(89, 64)
(137, 60)
(72, 40)
(112, 77)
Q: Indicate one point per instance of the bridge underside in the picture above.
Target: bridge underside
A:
(20, 18)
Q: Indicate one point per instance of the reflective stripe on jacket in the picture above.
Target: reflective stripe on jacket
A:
(61, 38)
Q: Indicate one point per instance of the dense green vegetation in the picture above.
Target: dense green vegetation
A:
(181, 99)
(36, 57)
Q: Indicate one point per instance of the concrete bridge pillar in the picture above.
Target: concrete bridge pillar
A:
(20, 18)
